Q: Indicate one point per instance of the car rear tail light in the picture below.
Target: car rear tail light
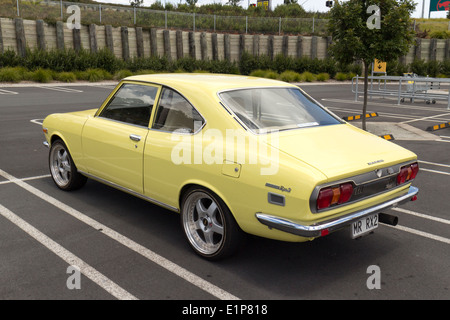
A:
(346, 192)
(334, 195)
(407, 173)
(324, 198)
(415, 170)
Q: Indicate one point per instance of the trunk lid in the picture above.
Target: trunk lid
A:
(342, 150)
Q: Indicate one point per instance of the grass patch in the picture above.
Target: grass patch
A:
(119, 75)
(65, 76)
(308, 76)
(323, 77)
(9, 74)
(42, 75)
(290, 76)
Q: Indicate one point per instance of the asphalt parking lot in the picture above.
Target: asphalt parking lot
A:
(131, 249)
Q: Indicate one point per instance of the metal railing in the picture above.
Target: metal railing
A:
(426, 88)
(129, 16)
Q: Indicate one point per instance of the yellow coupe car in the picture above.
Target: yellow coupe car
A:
(233, 155)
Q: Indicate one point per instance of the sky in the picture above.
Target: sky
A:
(309, 5)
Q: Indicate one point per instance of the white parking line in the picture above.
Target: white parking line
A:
(421, 233)
(106, 87)
(434, 163)
(28, 179)
(37, 121)
(3, 91)
(388, 115)
(147, 253)
(61, 89)
(435, 171)
(421, 215)
(395, 106)
(426, 118)
(68, 257)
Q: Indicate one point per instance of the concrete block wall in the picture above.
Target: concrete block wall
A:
(127, 42)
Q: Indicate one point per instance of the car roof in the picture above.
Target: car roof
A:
(208, 81)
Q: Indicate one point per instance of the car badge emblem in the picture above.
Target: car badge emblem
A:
(375, 162)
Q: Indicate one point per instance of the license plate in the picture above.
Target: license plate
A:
(364, 225)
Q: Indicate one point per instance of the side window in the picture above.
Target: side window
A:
(132, 103)
(176, 113)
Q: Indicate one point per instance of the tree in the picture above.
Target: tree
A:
(365, 30)
(191, 3)
(233, 3)
(136, 3)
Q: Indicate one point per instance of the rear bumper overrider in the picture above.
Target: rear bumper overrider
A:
(325, 227)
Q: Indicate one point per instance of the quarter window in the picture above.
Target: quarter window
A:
(176, 113)
(132, 103)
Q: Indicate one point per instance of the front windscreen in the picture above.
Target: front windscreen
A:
(269, 109)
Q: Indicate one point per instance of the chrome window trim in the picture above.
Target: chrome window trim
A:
(236, 118)
(122, 122)
(117, 89)
(190, 103)
(157, 105)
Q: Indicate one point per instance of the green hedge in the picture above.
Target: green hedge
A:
(68, 66)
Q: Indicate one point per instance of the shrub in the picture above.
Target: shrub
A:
(106, 60)
(188, 64)
(95, 75)
(440, 34)
(140, 72)
(445, 67)
(419, 67)
(290, 76)
(340, 76)
(308, 76)
(433, 68)
(9, 74)
(271, 74)
(42, 75)
(9, 58)
(148, 63)
(282, 63)
(323, 77)
(223, 66)
(247, 63)
(65, 76)
(396, 68)
(258, 73)
(351, 75)
(119, 75)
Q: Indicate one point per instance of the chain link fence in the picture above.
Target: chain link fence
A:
(52, 11)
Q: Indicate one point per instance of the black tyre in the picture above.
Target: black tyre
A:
(62, 169)
(209, 225)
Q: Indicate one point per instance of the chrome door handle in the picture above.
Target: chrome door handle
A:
(135, 137)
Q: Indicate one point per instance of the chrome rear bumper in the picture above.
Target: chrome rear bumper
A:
(317, 229)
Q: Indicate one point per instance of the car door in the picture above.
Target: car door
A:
(113, 141)
(175, 121)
